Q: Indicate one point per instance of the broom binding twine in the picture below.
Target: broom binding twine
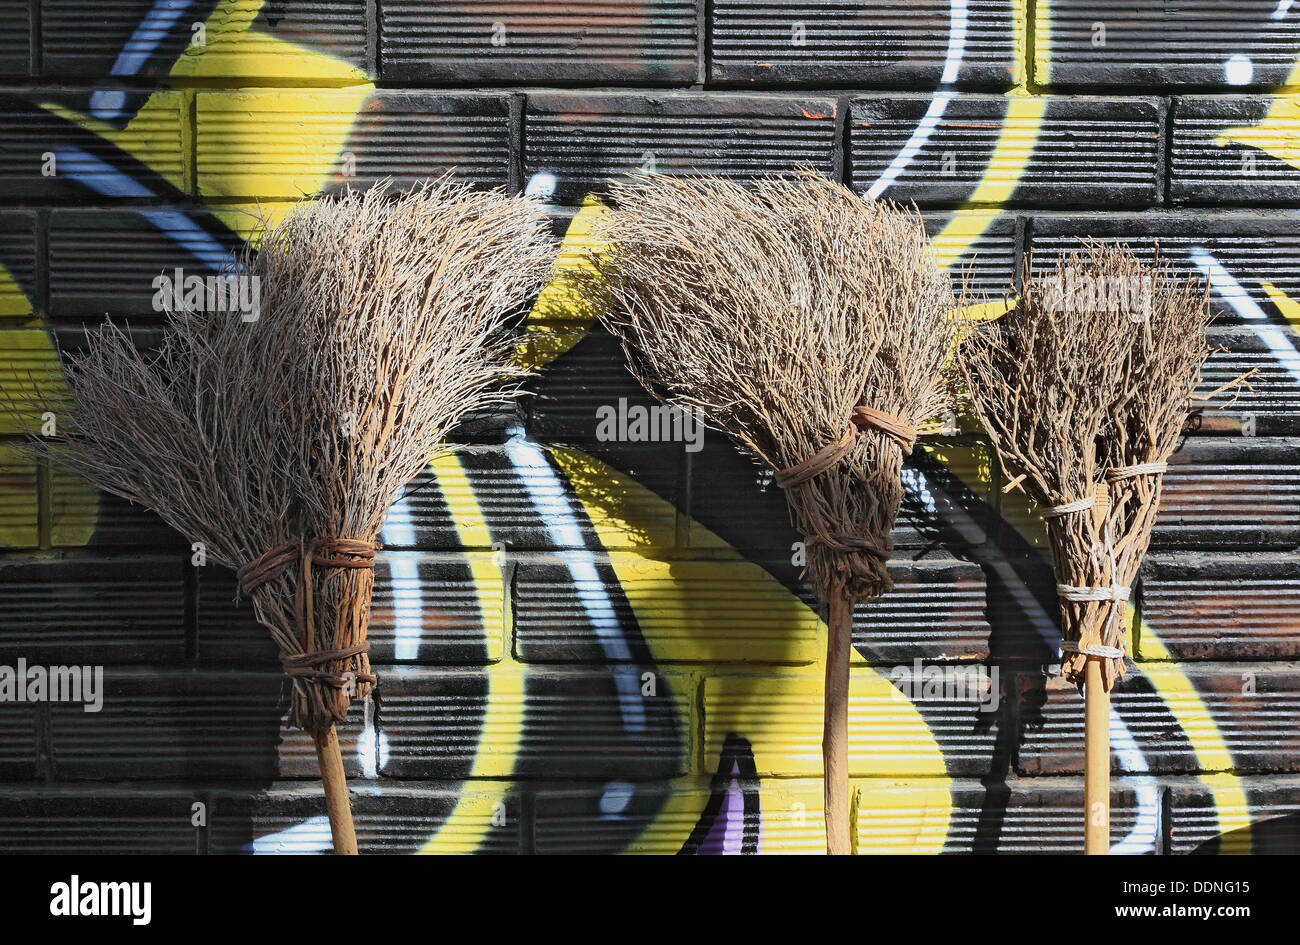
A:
(1095, 649)
(1116, 594)
(802, 473)
(1116, 473)
(316, 709)
(1113, 474)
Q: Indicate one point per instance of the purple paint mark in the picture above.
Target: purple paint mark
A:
(728, 828)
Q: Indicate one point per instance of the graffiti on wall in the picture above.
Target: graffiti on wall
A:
(707, 642)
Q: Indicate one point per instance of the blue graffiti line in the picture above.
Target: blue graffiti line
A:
(144, 42)
(105, 179)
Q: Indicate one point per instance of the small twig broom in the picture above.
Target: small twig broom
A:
(280, 441)
(811, 327)
(1084, 387)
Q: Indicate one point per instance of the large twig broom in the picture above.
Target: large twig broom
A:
(811, 327)
(1085, 386)
(279, 437)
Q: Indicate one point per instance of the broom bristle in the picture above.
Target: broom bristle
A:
(773, 312)
(383, 321)
(1089, 375)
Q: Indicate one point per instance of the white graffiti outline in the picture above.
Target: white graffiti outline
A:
(958, 23)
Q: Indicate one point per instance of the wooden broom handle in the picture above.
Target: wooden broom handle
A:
(336, 792)
(835, 733)
(1096, 766)
(1096, 734)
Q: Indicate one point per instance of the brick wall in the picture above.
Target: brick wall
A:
(594, 646)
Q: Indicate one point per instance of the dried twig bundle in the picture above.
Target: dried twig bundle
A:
(1165, 355)
(809, 325)
(1084, 387)
(806, 323)
(279, 443)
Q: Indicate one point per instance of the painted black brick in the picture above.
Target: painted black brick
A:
(73, 820)
(93, 610)
(390, 818)
(87, 166)
(15, 37)
(408, 136)
(1253, 705)
(1116, 43)
(18, 256)
(1237, 493)
(159, 725)
(1085, 152)
(567, 724)
(845, 42)
(1219, 156)
(90, 39)
(1204, 820)
(508, 41)
(105, 262)
(583, 140)
(1222, 606)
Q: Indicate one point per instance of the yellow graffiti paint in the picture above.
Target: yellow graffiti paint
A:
(1011, 153)
(233, 48)
(624, 513)
(1288, 306)
(74, 509)
(283, 143)
(503, 722)
(1184, 703)
(791, 823)
(1278, 133)
(472, 820)
(248, 220)
(13, 300)
(985, 311)
(780, 715)
(154, 135)
(902, 817)
(560, 317)
(28, 359)
(19, 513)
(793, 816)
(1042, 37)
(268, 142)
(972, 465)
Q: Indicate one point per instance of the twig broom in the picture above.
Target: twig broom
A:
(280, 441)
(810, 326)
(1084, 387)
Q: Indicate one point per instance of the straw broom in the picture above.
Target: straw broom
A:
(279, 443)
(810, 326)
(1084, 387)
